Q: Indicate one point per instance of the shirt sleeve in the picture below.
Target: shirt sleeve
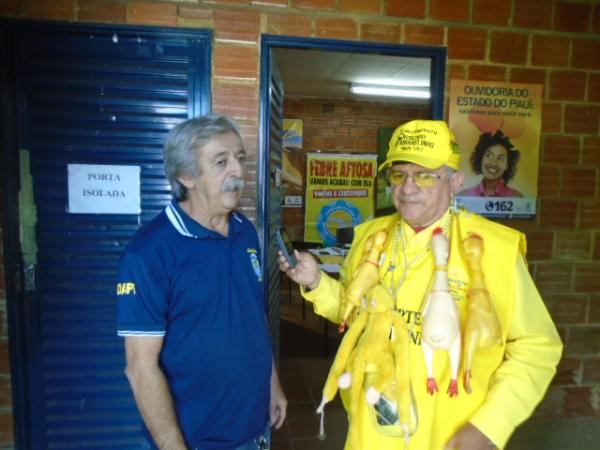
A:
(533, 349)
(142, 298)
(326, 297)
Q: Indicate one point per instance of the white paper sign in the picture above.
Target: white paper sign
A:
(294, 201)
(103, 189)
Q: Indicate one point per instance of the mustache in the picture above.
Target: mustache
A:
(235, 184)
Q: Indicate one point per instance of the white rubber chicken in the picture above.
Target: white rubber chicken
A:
(441, 320)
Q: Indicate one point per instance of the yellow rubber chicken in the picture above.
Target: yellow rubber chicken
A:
(368, 358)
(365, 277)
(482, 328)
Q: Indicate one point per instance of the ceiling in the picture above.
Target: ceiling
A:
(328, 74)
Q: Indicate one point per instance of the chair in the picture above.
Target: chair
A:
(302, 245)
(344, 236)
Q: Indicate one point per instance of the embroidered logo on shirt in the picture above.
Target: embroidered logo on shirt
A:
(125, 288)
(255, 263)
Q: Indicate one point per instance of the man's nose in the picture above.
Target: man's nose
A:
(237, 166)
(409, 186)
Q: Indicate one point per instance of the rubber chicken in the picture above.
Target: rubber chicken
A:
(367, 356)
(441, 320)
(482, 328)
(365, 277)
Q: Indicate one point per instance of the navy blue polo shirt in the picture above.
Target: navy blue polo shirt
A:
(203, 293)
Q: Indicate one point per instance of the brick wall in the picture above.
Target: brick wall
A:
(551, 42)
(340, 126)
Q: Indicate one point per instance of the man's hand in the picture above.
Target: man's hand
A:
(306, 272)
(469, 438)
(278, 406)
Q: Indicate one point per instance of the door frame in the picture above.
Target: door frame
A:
(9, 185)
(21, 343)
(437, 56)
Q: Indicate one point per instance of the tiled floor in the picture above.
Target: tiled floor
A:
(305, 358)
(303, 379)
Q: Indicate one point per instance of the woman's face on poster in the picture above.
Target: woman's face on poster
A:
(494, 162)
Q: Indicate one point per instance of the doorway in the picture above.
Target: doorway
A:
(295, 61)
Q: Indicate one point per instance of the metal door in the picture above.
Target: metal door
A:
(97, 95)
(271, 193)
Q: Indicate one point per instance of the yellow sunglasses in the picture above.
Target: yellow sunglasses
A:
(421, 179)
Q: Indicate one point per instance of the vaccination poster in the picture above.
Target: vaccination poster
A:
(340, 192)
(497, 126)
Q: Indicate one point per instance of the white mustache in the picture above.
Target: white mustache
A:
(233, 185)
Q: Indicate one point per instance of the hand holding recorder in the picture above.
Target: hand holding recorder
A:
(301, 267)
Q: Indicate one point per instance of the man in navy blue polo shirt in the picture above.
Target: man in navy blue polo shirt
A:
(191, 304)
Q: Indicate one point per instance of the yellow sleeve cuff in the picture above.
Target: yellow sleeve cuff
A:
(496, 427)
(326, 297)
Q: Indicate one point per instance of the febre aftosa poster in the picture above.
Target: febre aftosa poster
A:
(497, 126)
(340, 191)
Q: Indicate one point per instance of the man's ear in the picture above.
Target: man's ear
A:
(456, 182)
(187, 181)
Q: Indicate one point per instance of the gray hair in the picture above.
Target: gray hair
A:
(182, 145)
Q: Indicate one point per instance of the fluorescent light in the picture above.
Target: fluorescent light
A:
(395, 82)
(389, 91)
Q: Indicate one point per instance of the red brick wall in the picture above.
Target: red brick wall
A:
(340, 126)
(552, 42)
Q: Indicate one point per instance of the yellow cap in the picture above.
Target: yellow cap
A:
(428, 143)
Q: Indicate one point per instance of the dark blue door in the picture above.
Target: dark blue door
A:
(104, 96)
(273, 198)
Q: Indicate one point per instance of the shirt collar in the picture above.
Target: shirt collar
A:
(186, 226)
(422, 234)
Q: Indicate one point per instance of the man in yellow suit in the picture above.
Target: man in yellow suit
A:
(509, 378)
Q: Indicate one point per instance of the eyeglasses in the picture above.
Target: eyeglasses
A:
(421, 179)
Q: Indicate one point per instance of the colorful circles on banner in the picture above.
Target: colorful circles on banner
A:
(338, 214)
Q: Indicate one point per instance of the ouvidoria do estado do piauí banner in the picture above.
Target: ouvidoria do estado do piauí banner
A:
(340, 192)
(497, 127)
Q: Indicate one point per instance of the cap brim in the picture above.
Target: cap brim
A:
(414, 159)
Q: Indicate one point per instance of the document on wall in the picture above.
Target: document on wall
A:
(103, 189)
